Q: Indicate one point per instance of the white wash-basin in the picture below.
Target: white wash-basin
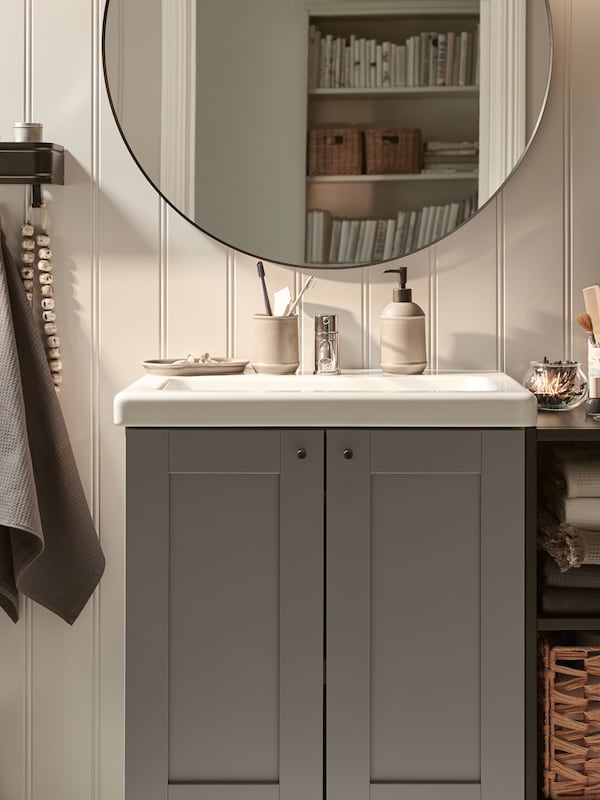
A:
(353, 398)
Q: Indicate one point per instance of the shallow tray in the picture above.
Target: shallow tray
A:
(167, 366)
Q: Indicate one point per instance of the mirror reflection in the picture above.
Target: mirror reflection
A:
(338, 133)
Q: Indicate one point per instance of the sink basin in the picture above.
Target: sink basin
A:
(364, 398)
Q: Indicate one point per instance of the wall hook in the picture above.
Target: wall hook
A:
(36, 195)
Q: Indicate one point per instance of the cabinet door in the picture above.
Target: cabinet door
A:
(425, 620)
(224, 643)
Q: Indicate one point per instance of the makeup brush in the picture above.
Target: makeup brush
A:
(585, 321)
(261, 275)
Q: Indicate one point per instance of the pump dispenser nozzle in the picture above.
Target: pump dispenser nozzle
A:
(401, 293)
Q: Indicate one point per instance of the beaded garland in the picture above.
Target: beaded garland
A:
(36, 251)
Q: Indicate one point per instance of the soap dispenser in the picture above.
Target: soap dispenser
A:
(402, 332)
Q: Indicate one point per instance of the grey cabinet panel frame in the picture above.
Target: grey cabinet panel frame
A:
(147, 613)
(152, 455)
(503, 615)
(225, 791)
(348, 569)
(499, 457)
(426, 791)
(301, 616)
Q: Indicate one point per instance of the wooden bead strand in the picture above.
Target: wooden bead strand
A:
(27, 258)
(46, 281)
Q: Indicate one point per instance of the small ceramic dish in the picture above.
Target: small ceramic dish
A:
(170, 367)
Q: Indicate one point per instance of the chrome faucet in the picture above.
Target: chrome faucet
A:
(326, 345)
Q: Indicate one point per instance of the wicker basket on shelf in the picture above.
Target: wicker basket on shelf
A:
(391, 151)
(571, 722)
(335, 151)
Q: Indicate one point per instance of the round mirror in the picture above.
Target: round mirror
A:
(327, 133)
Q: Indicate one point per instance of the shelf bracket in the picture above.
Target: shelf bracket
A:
(36, 195)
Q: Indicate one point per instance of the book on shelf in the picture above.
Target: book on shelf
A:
(344, 236)
(390, 235)
(344, 240)
(314, 39)
(334, 244)
(412, 233)
(379, 242)
(350, 255)
(441, 156)
(449, 64)
(429, 58)
(466, 43)
(319, 224)
(368, 243)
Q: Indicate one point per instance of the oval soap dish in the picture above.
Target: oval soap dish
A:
(186, 366)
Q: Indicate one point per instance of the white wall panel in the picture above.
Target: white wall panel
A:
(14, 727)
(195, 292)
(63, 674)
(134, 281)
(534, 230)
(585, 125)
(130, 319)
(16, 641)
(465, 294)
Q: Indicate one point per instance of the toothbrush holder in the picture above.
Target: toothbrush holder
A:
(274, 345)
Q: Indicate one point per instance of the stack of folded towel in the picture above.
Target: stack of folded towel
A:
(569, 531)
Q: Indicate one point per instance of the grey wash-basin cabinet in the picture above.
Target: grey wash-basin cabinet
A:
(325, 614)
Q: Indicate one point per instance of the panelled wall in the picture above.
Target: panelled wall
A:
(135, 281)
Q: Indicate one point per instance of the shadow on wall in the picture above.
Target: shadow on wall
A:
(469, 352)
(534, 342)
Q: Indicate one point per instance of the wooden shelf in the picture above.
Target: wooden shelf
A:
(563, 426)
(414, 176)
(568, 623)
(31, 162)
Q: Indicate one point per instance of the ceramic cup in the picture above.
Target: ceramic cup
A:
(27, 132)
(274, 347)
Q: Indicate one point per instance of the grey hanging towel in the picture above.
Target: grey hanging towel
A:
(49, 549)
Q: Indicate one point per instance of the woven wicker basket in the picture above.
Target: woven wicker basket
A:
(390, 151)
(335, 151)
(571, 722)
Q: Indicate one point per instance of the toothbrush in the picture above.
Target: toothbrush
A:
(310, 281)
(261, 275)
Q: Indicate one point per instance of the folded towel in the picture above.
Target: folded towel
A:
(569, 546)
(571, 601)
(574, 468)
(581, 512)
(49, 549)
(583, 577)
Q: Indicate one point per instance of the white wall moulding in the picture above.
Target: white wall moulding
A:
(178, 103)
(502, 95)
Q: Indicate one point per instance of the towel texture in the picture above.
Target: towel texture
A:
(584, 577)
(569, 546)
(49, 549)
(571, 601)
(575, 471)
(581, 512)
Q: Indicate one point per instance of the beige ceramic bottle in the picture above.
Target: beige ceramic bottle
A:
(402, 332)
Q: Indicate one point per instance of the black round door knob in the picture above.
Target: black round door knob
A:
(301, 453)
(348, 453)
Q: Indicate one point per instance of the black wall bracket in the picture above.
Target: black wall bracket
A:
(33, 163)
